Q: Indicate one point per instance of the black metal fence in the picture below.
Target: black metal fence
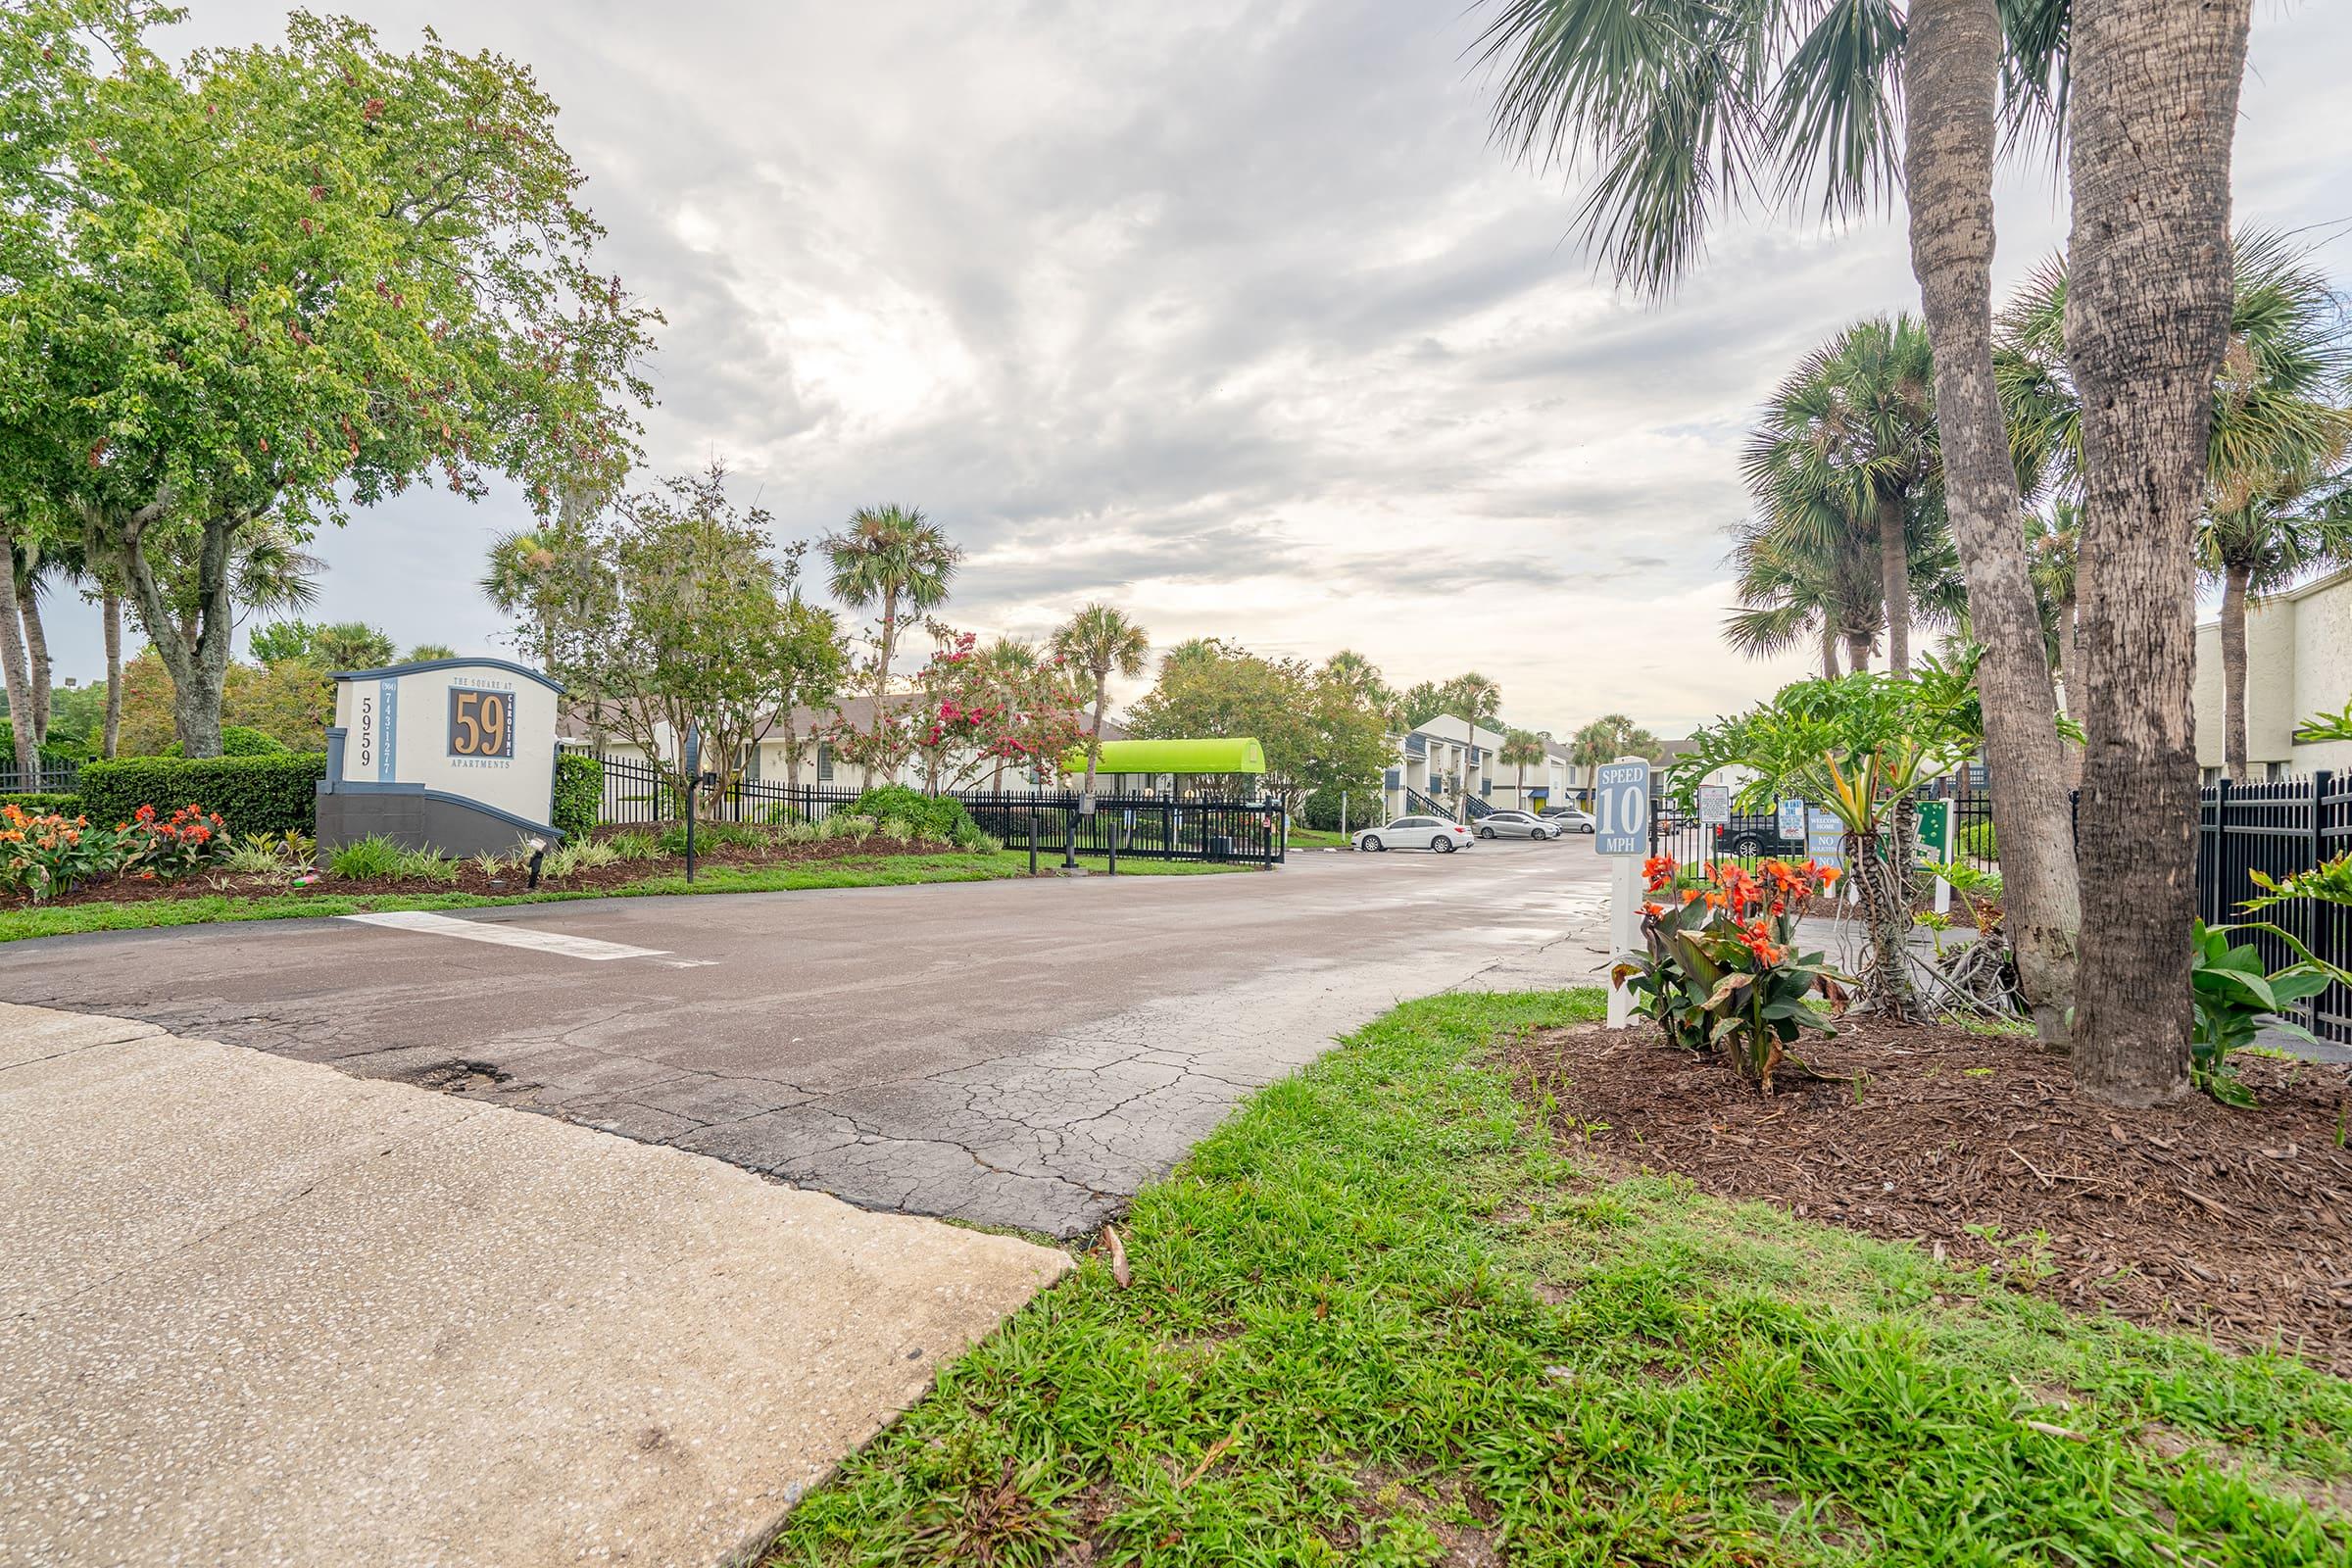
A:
(57, 778)
(2278, 828)
(1147, 827)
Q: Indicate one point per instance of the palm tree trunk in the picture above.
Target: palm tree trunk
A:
(2154, 110)
(39, 675)
(110, 606)
(890, 640)
(2071, 683)
(1093, 741)
(2235, 579)
(1951, 70)
(13, 676)
(1857, 651)
(1894, 583)
(1829, 651)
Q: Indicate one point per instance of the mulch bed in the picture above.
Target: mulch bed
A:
(2239, 1222)
(511, 880)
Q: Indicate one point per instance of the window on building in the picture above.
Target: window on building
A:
(824, 763)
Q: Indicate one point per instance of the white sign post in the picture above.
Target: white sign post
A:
(1621, 831)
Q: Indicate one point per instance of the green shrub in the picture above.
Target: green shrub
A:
(579, 795)
(44, 803)
(364, 859)
(1977, 842)
(1322, 808)
(240, 740)
(708, 836)
(635, 846)
(270, 794)
(940, 818)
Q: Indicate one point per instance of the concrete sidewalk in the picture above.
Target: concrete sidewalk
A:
(258, 1311)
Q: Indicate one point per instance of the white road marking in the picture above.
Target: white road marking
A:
(506, 936)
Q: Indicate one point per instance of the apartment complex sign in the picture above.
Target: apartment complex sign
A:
(445, 752)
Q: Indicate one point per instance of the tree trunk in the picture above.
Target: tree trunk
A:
(1093, 741)
(2234, 579)
(1857, 651)
(13, 677)
(40, 676)
(2070, 689)
(109, 611)
(1829, 651)
(1894, 583)
(199, 670)
(890, 638)
(1951, 70)
(2155, 88)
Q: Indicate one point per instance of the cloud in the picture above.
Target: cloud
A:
(1227, 312)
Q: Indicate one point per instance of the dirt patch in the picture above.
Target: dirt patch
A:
(471, 878)
(2235, 1221)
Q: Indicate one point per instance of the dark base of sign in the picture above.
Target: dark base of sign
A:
(443, 824)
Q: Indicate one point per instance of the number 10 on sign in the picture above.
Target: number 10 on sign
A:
(1621, 831)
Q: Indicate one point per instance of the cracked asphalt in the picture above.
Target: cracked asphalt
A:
(1019, 1053)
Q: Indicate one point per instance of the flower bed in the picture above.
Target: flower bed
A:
(258, 866)
(1976, 1148)
(49, 855)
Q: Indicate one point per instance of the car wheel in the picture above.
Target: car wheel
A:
(1486, 832)
(1540, 834)
(1374, 844)
(1590, 828)
(1748, 843)
(1444, 846)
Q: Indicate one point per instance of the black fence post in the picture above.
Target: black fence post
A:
(1115, 849)
(1033, 838)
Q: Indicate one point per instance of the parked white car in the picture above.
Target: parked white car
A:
(1417, 833)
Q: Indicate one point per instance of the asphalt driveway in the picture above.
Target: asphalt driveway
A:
(1022, 1054)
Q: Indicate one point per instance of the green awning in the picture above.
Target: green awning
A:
(1244, 756)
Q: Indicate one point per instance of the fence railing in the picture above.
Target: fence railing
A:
(57, 778)
(2280, 827)
(1144, 826)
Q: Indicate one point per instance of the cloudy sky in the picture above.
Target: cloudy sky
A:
(1225, 312)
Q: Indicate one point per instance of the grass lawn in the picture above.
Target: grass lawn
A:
(882, 870)
(1378, 1317)
(1309, 838)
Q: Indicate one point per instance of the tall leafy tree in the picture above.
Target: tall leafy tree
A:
(674, 609)
(1101, 641)
(1319, 734)
(1685, 109)
(264, 285)
(894, 562)
(2154, 110)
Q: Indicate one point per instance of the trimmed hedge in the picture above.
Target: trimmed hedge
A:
(253, 793)
(932, 816)
(241, 740)
(579, 795)
(40, 802)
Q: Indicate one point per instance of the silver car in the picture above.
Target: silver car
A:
(1514, 825)
(1567, 820)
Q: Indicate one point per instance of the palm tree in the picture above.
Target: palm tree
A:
(1689, 109)
(1356, 675)
(1844, 462)
(1477, 698)
(2154, 105)
(894, 559)
(2264, 537)
(1100, 640)
(2278, 434)
(1797, 586)
(1519, 747)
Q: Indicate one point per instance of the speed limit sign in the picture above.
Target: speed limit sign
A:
(1621, 808)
